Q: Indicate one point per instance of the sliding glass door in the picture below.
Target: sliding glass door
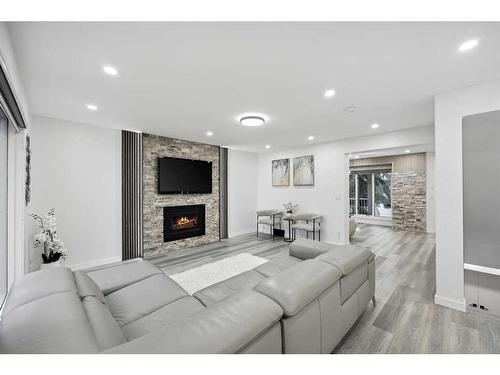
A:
(370, 193)
(3, 206)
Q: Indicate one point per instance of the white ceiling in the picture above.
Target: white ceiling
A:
(182, 79)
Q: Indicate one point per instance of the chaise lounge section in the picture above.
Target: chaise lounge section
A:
(301, 302)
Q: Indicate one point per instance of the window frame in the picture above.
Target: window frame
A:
(15, 208)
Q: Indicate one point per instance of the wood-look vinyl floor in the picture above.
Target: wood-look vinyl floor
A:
(405, 320)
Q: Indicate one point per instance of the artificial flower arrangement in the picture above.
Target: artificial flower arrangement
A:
(53, 247)
(290, 208)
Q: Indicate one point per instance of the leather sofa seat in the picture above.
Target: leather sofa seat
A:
(227, 288)
(276, 265)
(242, 323)
(142, 299)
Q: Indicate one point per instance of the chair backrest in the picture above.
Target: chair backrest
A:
(307, 217)
(268, 212)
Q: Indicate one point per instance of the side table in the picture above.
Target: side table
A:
(290, 221)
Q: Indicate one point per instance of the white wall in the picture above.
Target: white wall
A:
(430, 219)
(242, 192)
(76, 169)
(450, 107)
(329, 195)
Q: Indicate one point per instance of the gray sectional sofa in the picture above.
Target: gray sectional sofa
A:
(301, 302)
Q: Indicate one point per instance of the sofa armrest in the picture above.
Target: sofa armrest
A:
(225, 327)
(303, 248)
(299, 285)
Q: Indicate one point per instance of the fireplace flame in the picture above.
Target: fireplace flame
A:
(184, 221)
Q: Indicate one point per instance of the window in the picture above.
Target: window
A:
(382, 196)
(3, 206)
(370, 193)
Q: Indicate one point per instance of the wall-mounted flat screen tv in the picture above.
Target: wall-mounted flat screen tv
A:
(184, 176)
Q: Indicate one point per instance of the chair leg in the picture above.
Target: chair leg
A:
(314, 235)
(257, 230)
(272, 230)
(319, 235)
(374, 300)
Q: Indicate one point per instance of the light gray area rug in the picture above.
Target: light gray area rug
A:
(211, 273)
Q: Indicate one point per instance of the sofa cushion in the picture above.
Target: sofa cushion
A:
(303, 248)
(277, 264)
(176, 311)
(143, 297)
(55, 323)
(113, 278)
(225, 327)
(39, 284)
(224, 289)
(87, 287)
(346, 257)
(299, 285)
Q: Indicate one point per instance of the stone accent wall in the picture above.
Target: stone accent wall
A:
(153, 203)
(408, 201)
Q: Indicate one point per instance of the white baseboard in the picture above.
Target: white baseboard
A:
(241, 232)
(95, 263)
(450, 303)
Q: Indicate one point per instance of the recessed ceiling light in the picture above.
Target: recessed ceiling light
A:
(407, 151)
(111, 70)
(311, 137)
(329, 93)
(374, 126)
(92, 107)
(350, 109)
(209, 133)
(356, 157)
(268, 146)
(252, 120)
(468, 45)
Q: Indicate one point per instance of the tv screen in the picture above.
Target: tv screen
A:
(184, 176)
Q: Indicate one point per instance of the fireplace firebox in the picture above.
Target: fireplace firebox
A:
(181, 222)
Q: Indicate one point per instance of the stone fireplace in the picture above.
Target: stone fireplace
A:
(181, 222)
(154, 204)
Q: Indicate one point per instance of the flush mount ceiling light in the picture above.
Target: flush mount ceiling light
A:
(329, 93)
(374, 126)
(111, 70)
(407, 151)
(252, 120)
(311, 137)
(356, 157)
(209, 133)
(468, 45)
(92, 107)
(268, 146)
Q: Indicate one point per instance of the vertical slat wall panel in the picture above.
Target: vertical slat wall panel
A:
(131, 195)
(223, 193)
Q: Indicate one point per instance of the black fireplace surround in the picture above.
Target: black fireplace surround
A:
(183, 222)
